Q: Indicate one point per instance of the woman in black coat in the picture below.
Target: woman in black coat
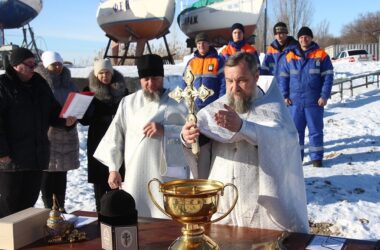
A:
(109, 88)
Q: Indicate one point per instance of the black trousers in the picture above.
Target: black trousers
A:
(54, 183)
(18, 191)
(99, 190)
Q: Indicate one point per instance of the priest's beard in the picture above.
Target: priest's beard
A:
(152, 97)
(240, 105)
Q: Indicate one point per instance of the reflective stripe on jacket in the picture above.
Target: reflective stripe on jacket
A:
(234, 47)
(275, 56)
(207, 70)
(306, 76)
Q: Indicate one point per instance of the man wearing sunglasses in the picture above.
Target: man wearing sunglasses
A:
(27, 109)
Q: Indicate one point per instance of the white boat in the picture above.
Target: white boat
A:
(215, 17)
(134, 20)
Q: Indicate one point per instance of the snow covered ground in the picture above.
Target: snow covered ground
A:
(345, 193)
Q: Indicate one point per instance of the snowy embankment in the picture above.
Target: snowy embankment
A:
(344, 195)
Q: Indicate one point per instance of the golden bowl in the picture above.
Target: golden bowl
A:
(192, 203)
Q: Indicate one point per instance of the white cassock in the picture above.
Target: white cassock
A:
(262, 159)
(145, 158)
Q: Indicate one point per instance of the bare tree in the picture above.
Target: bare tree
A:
(295, 13)
(259, 33)
(322, 29)
(362, 29)
(322, 35)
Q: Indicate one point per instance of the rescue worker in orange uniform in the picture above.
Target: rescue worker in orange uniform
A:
(238, 43)
(207, 67)
(305, 80)
(277, 50)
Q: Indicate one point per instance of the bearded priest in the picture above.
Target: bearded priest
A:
(251, 141)
(145, 134)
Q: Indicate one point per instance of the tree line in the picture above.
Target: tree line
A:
(297, 13)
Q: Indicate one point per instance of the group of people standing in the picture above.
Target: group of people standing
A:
(207, 63)
(304, 74)
(37, 148)
(246, 133)
(303, 71)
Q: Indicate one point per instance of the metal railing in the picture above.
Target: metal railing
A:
(353, 82)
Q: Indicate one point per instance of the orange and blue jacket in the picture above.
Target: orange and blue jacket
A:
(306, 76)
(276, 55)
(234, 47)
(207, 70)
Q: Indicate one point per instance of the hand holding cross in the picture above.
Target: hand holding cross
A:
(189, 94)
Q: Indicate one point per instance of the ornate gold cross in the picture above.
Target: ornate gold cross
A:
(189, 94)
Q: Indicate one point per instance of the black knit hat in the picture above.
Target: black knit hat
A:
(19, 55)
(201, 37)
(150, 65)
(237, 26)
(280, 27)
(118, 208)
(305, 31)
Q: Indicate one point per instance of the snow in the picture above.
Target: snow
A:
(344, 70)
(127, 71)
(345, 192)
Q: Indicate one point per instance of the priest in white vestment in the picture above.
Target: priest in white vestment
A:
(251, 141)
(145, 135)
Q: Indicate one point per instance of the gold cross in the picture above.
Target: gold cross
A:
(189, 94)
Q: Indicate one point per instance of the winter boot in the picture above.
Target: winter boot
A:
(317, 163)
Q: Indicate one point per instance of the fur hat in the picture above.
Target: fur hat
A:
(50, 57)
(19, 55)
(201, 37)
(150, 65)
(280, 27)
(305, 31)
(117, 208)
(237, 26)
(102, 64)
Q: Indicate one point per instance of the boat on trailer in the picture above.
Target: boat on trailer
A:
(132, 20)
(215, 17)
(17, 13)
(126, 21)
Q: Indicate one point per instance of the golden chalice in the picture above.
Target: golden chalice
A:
(192, 203)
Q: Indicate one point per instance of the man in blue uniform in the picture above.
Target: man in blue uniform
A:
(277, 50)
(207, 67)
(238, 43)
(305, 81)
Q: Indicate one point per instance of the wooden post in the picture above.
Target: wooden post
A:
(351, 88)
